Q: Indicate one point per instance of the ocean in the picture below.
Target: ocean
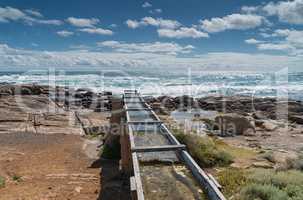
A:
(161, 82)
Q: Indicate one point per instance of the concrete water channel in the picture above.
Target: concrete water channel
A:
(160, 166)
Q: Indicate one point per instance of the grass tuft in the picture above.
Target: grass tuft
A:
(263, 192)
(273, 185)
(232, 180)
(17, 178)
(2, 182)
(296, 163)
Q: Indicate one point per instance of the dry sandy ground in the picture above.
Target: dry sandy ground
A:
(46, 167)
(42, 157)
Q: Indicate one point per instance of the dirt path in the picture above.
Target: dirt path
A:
(46, 167)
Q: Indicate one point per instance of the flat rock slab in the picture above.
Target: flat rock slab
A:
(35, 113)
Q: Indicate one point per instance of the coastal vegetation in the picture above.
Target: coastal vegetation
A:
(265, 184)
(16, 178)
(204, 150)
(273, 185)
(112, 151)
(232, 179)
(2, 182)
(284, 183)
(296, 163)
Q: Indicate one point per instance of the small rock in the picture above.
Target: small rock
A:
(51, 195)
(269, 126)
(259, 115)
(259, 123)
(249, 132)
(296, 118)
(254, 145)
(262, 164)
(251, 140)
(265, 134)
(78, 189)
(234, 124)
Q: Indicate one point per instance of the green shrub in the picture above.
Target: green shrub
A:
(294, 192)
(223, 158)
(112, 151)
(272, 185)
(17, 178)
(262, 192)
(284, 179)
(280, 179)
(2, 182)
(204, 150)
(232, 180)
(299, 164)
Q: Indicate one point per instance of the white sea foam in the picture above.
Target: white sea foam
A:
(199, 84)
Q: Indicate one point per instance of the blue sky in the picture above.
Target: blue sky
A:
(215, 35)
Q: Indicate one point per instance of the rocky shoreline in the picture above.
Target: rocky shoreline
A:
(269, 132)
(66, 99)
(257, 107)
(263, 124)
(42, 109)
(278, 121)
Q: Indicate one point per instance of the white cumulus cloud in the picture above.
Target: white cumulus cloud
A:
(155, 11)
(132, 23)
(275, 46)
(146, 5)
(287, 11)
(156, 47)
(83, 22)
(30, 17)
(232, 22)
(182, 32)
(34, 13)
(65, 33)
(99, 31)
(286, 40)
(14, 57)
(253, 41)
(150, 21)
(250, 9)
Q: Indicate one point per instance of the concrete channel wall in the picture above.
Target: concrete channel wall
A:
(159, 166)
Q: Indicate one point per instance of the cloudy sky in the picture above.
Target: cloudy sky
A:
(212, 35)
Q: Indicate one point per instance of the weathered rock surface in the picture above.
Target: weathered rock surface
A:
(269, 126)
(29, 89)
(296, 118)
(260, 108)
(234, 124)
(263, 164)
(94, 123)
(33, 112)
